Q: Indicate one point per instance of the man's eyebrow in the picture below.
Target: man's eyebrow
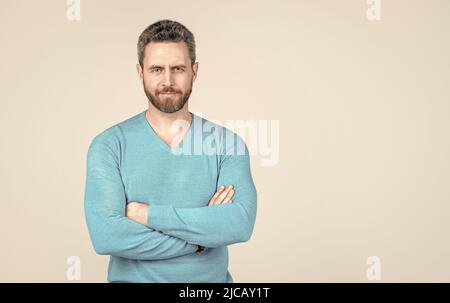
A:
(161, 67)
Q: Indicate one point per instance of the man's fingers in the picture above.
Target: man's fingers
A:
(222, 196)
(213, 199)
(228, 196)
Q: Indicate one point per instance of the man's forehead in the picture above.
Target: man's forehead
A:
(167, 51)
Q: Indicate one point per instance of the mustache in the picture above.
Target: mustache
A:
(167, 90)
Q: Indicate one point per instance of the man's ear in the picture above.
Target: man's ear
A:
(195, 70)
(139, 70)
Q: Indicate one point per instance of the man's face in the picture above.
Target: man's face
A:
(167, 75)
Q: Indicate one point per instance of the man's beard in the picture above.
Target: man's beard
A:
(171, 103)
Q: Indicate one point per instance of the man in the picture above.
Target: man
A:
(161, 214)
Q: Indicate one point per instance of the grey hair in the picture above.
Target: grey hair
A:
(165, 30)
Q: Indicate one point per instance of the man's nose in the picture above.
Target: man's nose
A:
(167, 81)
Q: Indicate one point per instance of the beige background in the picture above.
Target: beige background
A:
(364, 129)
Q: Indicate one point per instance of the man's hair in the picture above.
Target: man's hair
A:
(165, 30)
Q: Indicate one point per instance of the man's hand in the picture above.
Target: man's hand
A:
(137, 212)
(223, 195)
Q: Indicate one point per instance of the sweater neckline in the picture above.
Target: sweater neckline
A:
(154, 136)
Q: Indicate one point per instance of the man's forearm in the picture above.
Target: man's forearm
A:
(212, 226)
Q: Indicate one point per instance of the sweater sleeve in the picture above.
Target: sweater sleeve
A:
(111, 232)
(216, 225)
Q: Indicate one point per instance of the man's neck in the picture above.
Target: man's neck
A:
(162, 122)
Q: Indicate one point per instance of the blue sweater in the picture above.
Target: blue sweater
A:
(129, 162)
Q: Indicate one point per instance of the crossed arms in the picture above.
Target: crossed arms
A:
(157, 231)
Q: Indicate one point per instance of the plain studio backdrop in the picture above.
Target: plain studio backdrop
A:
(364, 129)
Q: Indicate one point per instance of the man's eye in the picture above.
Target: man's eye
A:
(178, 69)
(156, 70)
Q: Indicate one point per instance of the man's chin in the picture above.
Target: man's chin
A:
(168, 110)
